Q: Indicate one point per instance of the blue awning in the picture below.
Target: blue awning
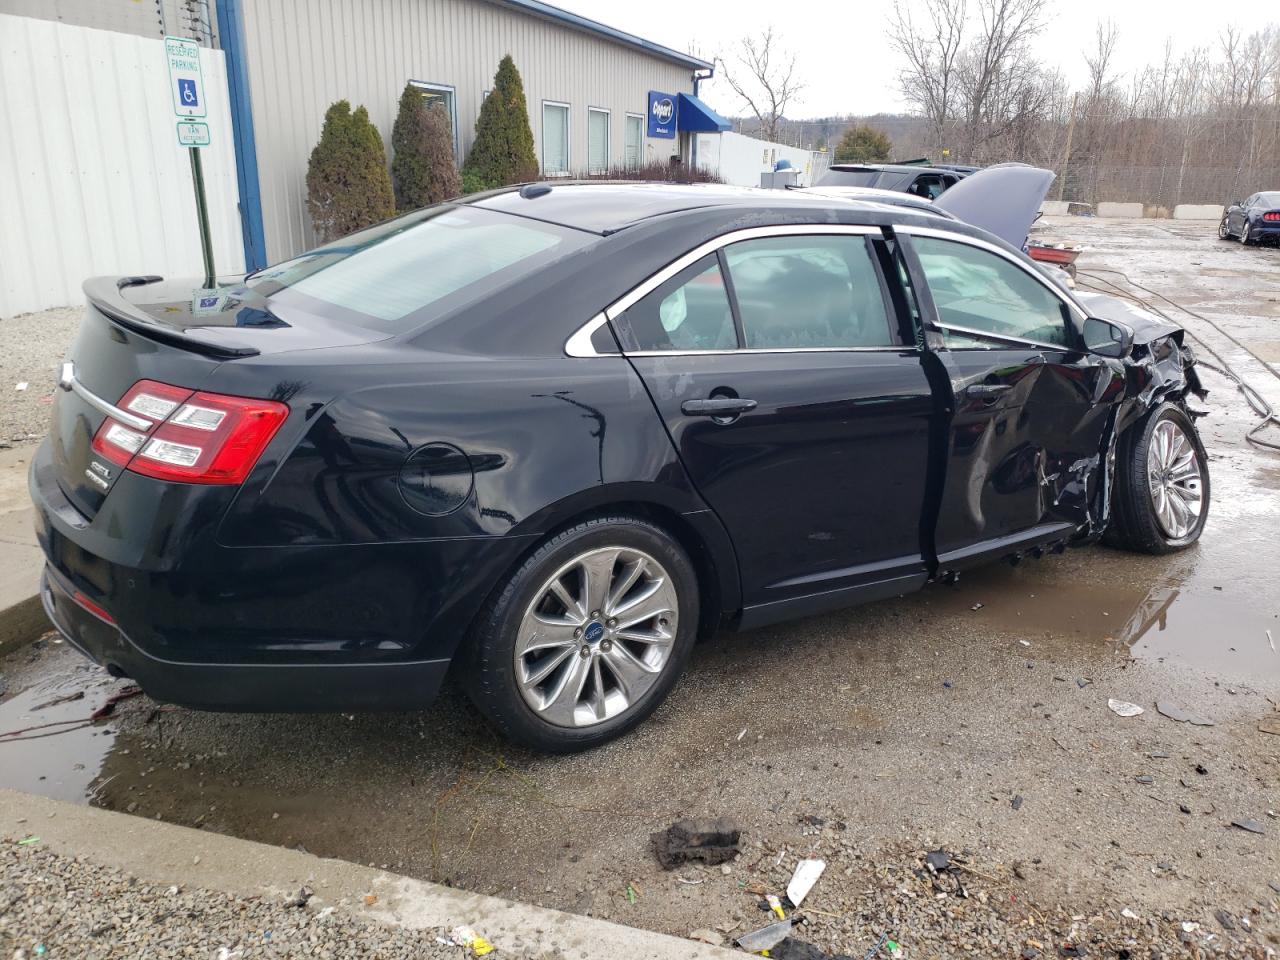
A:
(696, 117)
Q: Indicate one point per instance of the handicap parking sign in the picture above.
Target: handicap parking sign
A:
(188, 95)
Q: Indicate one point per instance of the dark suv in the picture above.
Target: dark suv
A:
(921, 181)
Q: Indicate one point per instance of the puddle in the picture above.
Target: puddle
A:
(1176, 618)
(58, 752)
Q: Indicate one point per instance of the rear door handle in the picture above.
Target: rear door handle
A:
(988, 391)
(717, 407)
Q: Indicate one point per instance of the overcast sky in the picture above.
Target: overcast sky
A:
(844, 58)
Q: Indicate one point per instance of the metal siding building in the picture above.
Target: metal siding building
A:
(302, 55)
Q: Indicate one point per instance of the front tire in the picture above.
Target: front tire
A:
(1224, 230)
(587, 637)
(1161, 496)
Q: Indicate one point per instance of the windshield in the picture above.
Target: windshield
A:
(882, 179)
(401, 273)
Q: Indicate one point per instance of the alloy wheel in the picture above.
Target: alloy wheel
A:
(1175, 477)
(596, 636)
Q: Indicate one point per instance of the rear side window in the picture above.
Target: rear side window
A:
(403, 273)
(686, 313)
(798, 292)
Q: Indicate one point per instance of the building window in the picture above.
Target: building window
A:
(442, 94)
(597, 141)
(635, 141)
(555, 138)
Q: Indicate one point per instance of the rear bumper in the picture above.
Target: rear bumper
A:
(261, 629)
(252, 687)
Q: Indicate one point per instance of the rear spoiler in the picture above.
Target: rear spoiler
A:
(105, 294)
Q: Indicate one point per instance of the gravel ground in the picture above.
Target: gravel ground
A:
(33, 346)
(59, 907)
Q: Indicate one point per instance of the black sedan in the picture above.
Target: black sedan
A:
(546, 437)
(1256, 220)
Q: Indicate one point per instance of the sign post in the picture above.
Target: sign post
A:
(186, 87)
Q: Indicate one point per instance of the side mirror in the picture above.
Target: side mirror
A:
(1107, 338)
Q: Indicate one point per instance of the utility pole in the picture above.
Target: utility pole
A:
(1066, 154)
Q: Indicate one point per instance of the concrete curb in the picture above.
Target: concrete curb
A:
(21, 624)
(164, 854)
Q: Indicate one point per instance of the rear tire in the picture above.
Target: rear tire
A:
(1245, 232)
(586, 638)
(1161, 497)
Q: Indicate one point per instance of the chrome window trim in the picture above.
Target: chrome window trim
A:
(579, 344)
(988, 335)
(915, 231)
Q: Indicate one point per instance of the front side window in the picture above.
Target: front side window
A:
(597, 141)
(555, 138)
(818, 291)
(981, 292)
(688, 312)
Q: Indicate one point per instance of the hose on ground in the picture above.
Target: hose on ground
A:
(1255, 400)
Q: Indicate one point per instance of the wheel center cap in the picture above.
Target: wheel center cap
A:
(593, 632)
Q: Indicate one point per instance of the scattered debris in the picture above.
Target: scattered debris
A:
(21, 386)
(1202, 769)
(1072, 950)
(1224, 919)
(28, 841)
(1271, 725)
(370, 899)
(766, 938)
(1124, 709)
(1182, 716)
(793, 949)
(977, 606)
(300, 898)
(1190, 926)
(704, 935)
(1253, 826)
(802, 881)
(631, 893)
(1016, 803)
(1082, 682)
(775, 905)
(938, 860)
(1183, 808)
(466, 937)
(1145, 778)
(1271, 642)
(704, 840)
(1129, 914)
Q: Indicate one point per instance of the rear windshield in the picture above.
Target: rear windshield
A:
(405, 272)
(1269, 199)
(881, 179)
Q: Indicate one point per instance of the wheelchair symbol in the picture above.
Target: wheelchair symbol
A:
(187, 93)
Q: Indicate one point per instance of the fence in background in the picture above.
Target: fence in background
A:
(92, 180)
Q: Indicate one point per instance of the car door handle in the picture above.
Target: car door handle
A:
(988, 391)
(717, 407)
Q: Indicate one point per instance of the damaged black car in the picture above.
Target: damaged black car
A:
(545, 437)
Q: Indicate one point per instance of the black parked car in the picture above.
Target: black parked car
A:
(1256, 220)
(915, 179)
(548, 436)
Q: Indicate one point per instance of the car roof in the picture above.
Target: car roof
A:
(893, 167)
(607, 207)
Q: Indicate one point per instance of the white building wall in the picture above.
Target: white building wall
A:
(364, 51)
(741, 160)
(92, 180)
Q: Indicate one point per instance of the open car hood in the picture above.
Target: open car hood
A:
(1003, 200)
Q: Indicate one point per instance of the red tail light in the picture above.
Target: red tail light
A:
(1273, 215)
(194, 437)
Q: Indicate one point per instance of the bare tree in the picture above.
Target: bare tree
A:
(764, 76)
(928, 80)
(996, 64)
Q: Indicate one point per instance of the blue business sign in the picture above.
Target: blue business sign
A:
(662, 115)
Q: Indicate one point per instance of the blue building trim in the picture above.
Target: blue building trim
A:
(231, 40)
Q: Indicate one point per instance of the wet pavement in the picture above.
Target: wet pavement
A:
(912, 722)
